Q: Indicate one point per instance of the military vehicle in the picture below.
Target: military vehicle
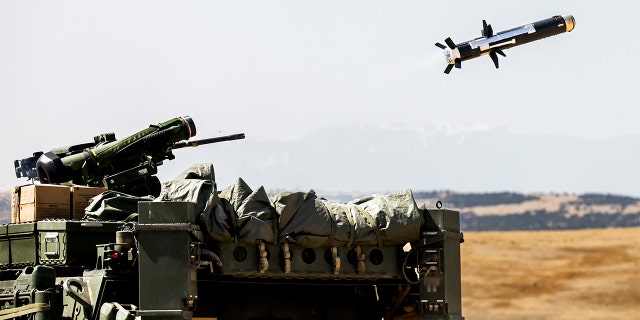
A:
(184, 250)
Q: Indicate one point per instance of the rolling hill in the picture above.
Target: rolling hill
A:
(514, 211)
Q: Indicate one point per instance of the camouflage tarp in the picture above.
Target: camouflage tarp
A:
(240, 214)
(196, 184)
(376, 220)
(113, 206)
(248, 213)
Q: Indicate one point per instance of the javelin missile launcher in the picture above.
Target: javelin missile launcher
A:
(196, 252)
(128, 165)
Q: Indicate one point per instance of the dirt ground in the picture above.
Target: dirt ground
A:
(584, 274)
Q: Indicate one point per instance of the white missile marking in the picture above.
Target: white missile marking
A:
(512, 41)
(485, 43)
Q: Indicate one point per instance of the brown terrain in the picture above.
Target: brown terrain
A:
(582, 274)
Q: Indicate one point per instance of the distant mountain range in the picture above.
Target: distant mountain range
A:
(507, 211)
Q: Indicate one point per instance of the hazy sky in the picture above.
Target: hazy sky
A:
(72, 69)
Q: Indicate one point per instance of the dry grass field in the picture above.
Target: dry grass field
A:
(583, 274)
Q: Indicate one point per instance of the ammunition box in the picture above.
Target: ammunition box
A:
(80, 197)
(54, 242)
(73, 243)
(44, 201)
(23, 244)
(5, 250)
(167, 212)
(167, 242)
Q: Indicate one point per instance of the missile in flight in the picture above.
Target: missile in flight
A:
(493, 44)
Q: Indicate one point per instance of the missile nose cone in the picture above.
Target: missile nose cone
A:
(569, 22)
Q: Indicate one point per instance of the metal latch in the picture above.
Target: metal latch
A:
(52, 238)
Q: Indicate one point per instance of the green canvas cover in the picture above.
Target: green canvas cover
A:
(241, 214)
(195, 184)
(248, 216)
(203, 171)
(377, 220)
(396, 215)
(236, 214)
(113, 206)
(251, 213)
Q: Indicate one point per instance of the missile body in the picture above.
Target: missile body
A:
(493, 44)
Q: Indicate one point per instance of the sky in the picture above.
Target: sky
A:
(283, 70)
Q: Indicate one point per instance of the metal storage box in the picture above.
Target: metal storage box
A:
(53, 242)
(66, 242)
(22, 242)
(5, 250)
(446, 220)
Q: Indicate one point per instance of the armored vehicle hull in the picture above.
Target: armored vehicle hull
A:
(165, 267)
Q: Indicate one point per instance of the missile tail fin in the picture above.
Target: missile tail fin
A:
(494, 57)
(448, 68)
(450, 43)
(458, 64)
(440, 45)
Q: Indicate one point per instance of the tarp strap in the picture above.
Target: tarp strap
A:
(373, 224)
(24, 310)
(361, 260)
(287, 257)
(352, 230)
(263, 263)
(336, 260)
(333, 224)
